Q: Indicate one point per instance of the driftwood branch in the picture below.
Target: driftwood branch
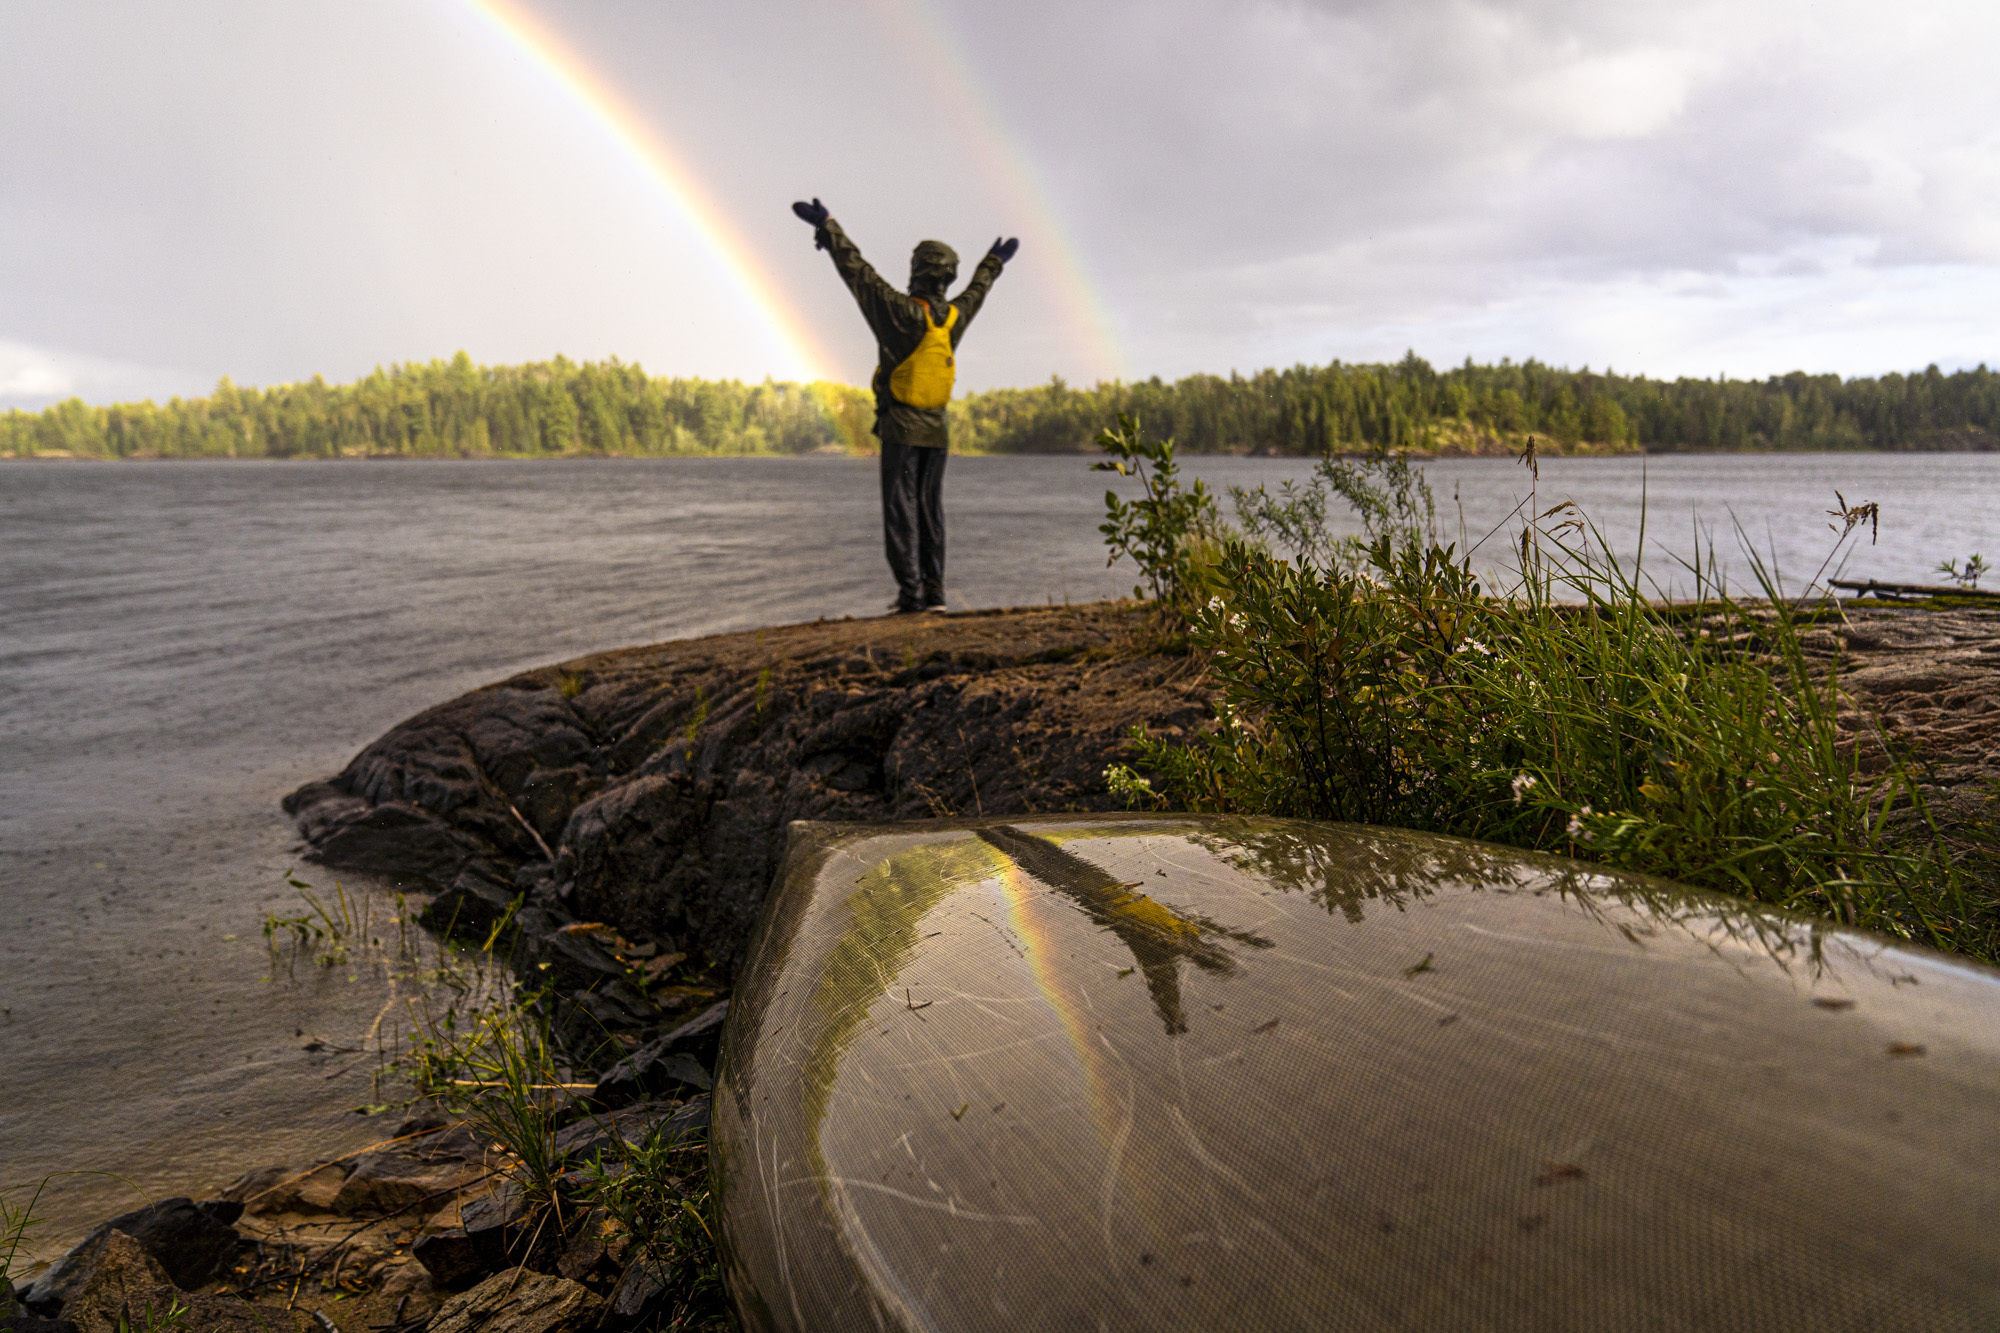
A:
(1897, 591)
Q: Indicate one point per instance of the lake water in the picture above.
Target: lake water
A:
(182, 643)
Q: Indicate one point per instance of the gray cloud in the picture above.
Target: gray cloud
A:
(273, 191)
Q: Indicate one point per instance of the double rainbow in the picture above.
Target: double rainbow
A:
(979, 123)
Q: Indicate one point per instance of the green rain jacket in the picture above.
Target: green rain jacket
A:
(897, 320)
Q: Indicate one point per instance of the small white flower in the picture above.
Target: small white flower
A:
(1522, 784)
(1236, 622)
(1478, 647)
(1215, 603)
(1576, 829)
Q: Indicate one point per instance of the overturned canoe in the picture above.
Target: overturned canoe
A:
(1188, 1073)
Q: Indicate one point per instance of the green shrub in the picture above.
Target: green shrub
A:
(1171, 533)
(1692, 740)
(1391, 498)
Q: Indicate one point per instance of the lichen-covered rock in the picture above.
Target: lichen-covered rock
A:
(388, 1182)
(519, 1301)
(190, 1241)
(117, 1277)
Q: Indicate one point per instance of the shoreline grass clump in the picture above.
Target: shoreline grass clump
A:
(491, 1057)
(1379, 682)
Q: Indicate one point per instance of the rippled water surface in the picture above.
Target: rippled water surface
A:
(182, 643)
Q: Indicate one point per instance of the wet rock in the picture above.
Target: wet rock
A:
(639, 1288)
(545, 950)
(31, 1323)
(643, 832)
(250, 1188)
(388, 1182)
(216, 1314)
(419, 1118)
(630, 1127)
(408, 1279)
(455, 1142)
(549, 796)
(584, 1257)
(452, 1258)
(665, 784)
(189, 1240)
(588, 1022)
(471, 905)
(492, 1231)
(674, 1060)
(520, 1301)
(284, 1189)
(393, 839)
(504, 1207)
(448, 779)
(118, 1275)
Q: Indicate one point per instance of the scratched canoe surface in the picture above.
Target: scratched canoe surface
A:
(1188, 1073)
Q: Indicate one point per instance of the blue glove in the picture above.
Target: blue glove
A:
(815, 213)
(1002, 250)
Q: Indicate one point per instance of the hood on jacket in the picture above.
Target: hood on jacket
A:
(933, 268)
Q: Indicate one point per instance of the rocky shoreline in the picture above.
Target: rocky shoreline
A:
(620, 817)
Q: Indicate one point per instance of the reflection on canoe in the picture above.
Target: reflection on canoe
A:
(1203, 1073)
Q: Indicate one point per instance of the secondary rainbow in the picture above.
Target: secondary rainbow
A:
(940, 54)
(652, 155)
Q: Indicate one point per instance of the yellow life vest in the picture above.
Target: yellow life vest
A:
(925, 377)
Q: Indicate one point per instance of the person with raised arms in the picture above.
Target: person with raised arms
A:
(917, 336)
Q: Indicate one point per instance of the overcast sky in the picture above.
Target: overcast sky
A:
(272, 191)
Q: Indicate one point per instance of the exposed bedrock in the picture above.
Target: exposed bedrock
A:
(649, 788)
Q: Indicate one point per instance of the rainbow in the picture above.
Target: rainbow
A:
(807, 358)
(1007, 160)
(1028, 908)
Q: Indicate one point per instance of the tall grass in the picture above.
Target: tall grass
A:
(1568, 712)
(488, 1055)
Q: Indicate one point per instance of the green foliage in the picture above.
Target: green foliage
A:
(1573, 715)
(1968, 576)
(761, 702)
(1170, 532)
(321, 933)
(1341, 408)
(1391, 497)
(656, 1192)
(489, 1057)
(16, 1221)
(457, 409)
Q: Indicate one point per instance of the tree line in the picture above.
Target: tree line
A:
(455, 409)
(561, 408)
(1344, 408)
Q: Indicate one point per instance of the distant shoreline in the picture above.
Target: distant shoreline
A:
(562, 408)
(1500, 449)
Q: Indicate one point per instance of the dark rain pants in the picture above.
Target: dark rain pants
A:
(913, 522)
